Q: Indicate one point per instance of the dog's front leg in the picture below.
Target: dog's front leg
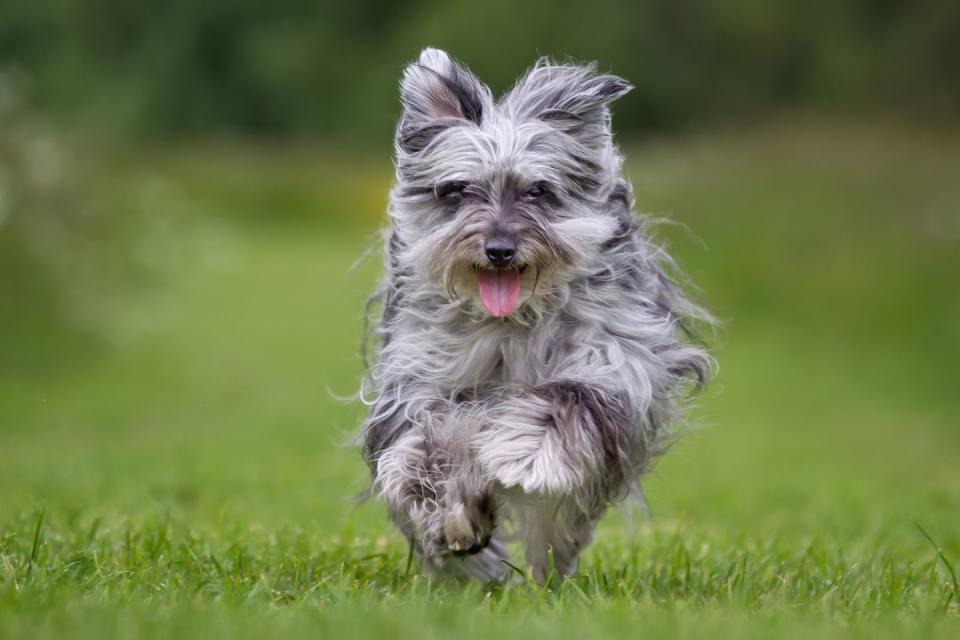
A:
(407, 476)
(434, 492)
(561, 451)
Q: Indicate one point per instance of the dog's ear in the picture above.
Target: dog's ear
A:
(437, 93)
(574, 98)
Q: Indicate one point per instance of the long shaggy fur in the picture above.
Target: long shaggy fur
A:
(539, 420)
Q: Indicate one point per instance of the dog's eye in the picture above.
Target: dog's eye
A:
(451, 192)
(536, 191)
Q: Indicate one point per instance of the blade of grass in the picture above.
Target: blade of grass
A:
(409, 559)
(517, 569)
(37, 537)
(943, 559)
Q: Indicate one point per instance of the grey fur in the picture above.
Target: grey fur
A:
(540, 420)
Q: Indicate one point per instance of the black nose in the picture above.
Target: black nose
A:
(500, 251)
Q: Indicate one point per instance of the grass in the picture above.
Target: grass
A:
(174, 462)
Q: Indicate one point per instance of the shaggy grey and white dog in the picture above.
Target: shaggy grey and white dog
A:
(531, 350)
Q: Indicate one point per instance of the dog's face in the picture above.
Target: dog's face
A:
(498, 202)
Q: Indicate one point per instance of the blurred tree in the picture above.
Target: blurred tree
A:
(329, 69)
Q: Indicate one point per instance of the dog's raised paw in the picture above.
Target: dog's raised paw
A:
(528, 456)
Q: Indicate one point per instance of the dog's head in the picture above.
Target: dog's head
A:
(499, 201)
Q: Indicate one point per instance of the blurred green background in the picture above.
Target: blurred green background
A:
(187, 190)
(328, 70)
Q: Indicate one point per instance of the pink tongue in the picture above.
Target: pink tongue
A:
(499, 290)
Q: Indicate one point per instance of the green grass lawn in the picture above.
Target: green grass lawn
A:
(174, 458)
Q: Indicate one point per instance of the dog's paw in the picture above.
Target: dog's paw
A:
(468, 526)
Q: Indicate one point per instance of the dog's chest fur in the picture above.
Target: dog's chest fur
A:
(496, 352)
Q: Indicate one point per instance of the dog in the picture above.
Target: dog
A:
(532, 349)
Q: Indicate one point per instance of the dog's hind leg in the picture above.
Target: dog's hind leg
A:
(554, 532)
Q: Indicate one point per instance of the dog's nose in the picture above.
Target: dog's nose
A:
(500, 251)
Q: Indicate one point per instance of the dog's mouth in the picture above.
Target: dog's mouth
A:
(499, 289)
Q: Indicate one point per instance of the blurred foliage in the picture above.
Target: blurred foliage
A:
(329, 69)
(42, 216)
